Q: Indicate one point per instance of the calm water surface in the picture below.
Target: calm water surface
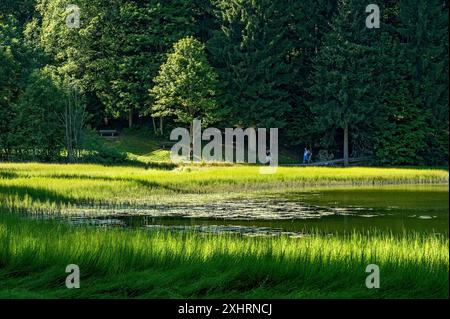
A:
(392, 209)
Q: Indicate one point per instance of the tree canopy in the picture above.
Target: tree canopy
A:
(186, 85)
(312, 69)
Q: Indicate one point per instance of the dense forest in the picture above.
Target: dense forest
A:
(310, 68)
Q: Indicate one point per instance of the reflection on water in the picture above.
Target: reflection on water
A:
(228, 229)
(260, 209)
(294, 214)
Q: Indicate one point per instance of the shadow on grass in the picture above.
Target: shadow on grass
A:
(8, 174)
(139, 164)
(36, 194)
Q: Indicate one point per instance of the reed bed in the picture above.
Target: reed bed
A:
(52, 185)
(118, 263)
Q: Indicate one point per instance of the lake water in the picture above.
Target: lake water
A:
(393, 209)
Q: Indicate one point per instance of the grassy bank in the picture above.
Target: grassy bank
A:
(147, 264)
(25, 185)
(138, 264)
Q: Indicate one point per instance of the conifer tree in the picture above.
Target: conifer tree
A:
(424, 31)
(399, 125)
(250, 52)
(342, 87)
(309, 22)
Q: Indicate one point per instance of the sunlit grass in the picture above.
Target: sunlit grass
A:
(119, 263)
(51, 184)
(138, 263)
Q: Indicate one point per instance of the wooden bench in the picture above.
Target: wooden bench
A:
(109, 133)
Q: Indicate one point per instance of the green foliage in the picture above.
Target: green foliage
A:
(37, 131)
(119, 47)
(375, 82)
(8, 73)
(95, 150)
(73, 117)
(342, 88)
(16, 63)
(399, 128)
(21, 9)
(402, 138)
(186, 85)
(250, 51)
(412, 100)
(309, 22)
(424, 28)
(308, 68)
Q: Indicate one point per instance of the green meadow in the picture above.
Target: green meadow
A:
(165, 263)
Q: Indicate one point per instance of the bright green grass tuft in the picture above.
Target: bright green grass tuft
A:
(139, 264)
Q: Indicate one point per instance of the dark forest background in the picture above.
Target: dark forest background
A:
(310, 68)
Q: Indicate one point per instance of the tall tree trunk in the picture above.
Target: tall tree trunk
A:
(346, 145)
(161, 130)
(130, 118)
(68, 127)
(154, 126)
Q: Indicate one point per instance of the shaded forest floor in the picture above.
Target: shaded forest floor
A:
(142, 146)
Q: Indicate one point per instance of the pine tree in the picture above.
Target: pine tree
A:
(342, 86)
(21, 9)
(15, 63)
(309, 22)
(399, 132)
(250, 52)
(8, 72)
(424, 31)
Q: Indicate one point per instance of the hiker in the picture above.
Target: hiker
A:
(309, 156)
(305, 156)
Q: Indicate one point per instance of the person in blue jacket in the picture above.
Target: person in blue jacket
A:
(305, 156)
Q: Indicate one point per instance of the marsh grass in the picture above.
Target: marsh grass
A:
(140, 264)
(50, 186)
(137, 264)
